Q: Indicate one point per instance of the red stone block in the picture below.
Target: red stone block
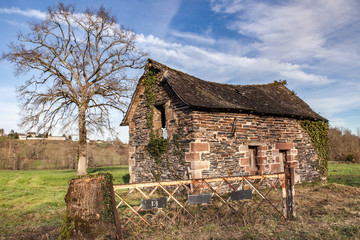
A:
(293, 164)
(244, 162)
(132, 125)
(263, 148)
(199, 147)
(284, 146)
(275, 168)
(189, 157)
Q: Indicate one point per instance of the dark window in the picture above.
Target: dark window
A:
(161, 111)
(253, 154)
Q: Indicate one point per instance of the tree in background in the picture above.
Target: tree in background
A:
(82, 60)
(343, 145)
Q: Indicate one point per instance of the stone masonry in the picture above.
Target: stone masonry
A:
(215, 144)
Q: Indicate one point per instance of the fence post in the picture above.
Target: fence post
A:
(290, 192)
(284, 196)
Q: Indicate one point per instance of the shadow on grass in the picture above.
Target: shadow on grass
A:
(345, 180)
(126, 178)
(106, 169)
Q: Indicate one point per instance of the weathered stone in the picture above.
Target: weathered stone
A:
(215, 137)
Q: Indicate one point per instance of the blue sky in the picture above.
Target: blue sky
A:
(313, 44)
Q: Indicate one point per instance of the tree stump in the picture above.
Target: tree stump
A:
(90, 209)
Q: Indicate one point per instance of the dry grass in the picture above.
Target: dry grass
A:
(44, 154)
(324, 211)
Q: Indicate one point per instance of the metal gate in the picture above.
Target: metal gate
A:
(245, 198)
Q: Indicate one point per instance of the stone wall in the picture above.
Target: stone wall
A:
(214, 144)
(179, 129)
(229, 136)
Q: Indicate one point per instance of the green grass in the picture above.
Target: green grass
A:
(32, 199)
(346, 174)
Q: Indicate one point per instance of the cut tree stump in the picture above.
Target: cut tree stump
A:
(90, 209)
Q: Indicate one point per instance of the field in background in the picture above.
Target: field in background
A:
(46, 154)
(32, 206)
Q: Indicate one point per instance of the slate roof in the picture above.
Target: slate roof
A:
(265, 99)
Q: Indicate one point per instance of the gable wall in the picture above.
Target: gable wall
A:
(178, 122)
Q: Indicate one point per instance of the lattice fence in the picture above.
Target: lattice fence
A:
(248, 199)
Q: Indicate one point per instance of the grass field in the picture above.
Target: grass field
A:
(347, 174)
(33, 199)
(32, 204)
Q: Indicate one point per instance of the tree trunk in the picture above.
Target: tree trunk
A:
(82, 161)
(91, 209)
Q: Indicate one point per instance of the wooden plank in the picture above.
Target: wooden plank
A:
(191, 181)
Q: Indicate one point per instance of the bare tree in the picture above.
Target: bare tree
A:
(82, 61)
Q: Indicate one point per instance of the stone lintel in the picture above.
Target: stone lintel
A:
(284, 146)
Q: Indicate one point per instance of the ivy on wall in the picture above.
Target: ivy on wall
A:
(318, 132)
(157, 146)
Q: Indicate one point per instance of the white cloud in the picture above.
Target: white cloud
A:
(295, 30)
(28, 13)
(193, 37)
(222, 67)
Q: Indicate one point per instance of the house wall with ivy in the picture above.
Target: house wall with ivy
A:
(202, 144)
(161, 165)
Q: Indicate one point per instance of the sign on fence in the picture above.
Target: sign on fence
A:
(152, 203)
(199, 198)
(241, 195)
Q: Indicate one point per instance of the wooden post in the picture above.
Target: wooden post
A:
(90, 209)
(290, 192)
(284, 196)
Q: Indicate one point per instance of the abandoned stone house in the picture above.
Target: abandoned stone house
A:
(183, 127)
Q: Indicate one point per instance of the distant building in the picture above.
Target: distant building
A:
(22, 136)
(31, 134)
(58, 138)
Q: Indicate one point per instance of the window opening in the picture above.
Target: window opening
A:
(253, 154)
(161, 110)
(283, 159)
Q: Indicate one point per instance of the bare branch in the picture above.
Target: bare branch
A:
(81, 61)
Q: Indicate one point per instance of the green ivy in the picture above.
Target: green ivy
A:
(318, 132)
(177, 148)
(108, 212)
(150, 94)
(157, 146)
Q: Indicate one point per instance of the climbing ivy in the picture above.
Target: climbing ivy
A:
(157, 145)
(177, 148)
(150, 94)
(318, 131)
(107, 212)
